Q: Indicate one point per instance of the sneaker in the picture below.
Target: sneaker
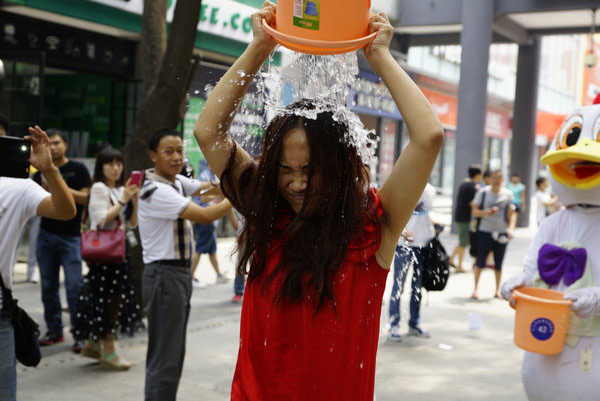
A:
(50, 339)
(237, 298)
(221, 279)
(198, 284)
(418, 332)
(394, 335)
(77, 346)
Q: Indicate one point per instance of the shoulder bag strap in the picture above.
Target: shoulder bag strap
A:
(118, 218)
(480, 208)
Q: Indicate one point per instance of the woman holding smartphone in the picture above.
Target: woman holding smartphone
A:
(107, 301)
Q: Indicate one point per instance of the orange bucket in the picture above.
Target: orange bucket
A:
(541, 320)
(322, 26)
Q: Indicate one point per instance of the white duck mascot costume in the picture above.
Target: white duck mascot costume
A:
(565, 256)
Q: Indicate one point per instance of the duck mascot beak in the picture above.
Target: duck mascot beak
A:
(577, 166)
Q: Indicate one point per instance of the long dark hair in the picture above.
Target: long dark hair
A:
(107, 155)
(334, 210)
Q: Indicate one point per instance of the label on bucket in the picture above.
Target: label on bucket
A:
(542, 329)
(307, 14)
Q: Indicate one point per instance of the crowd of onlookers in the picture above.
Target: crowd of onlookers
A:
(153, 210)
(485, 213)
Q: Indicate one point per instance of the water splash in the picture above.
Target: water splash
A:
(326, 81)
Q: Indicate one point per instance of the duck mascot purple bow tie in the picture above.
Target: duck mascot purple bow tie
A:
(556, 263)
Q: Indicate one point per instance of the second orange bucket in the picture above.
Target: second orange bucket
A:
(541, 320)
(322, 26)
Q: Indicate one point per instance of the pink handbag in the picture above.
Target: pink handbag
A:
(104, 246)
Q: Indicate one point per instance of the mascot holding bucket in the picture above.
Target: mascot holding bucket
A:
(564, 259)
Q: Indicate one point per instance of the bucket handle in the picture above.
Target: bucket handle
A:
(516, 295)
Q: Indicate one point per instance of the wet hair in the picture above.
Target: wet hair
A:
(539, 181)
(56, 132)
(107, 155)
(160, 134)
(474, 170)
(4, 122)
(335, 209)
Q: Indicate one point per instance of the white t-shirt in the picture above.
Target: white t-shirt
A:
(159, 208)
(541, 199)
(420, 222)
(19, 201)
(102, 198)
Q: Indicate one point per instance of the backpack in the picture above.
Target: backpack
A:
(436, 266)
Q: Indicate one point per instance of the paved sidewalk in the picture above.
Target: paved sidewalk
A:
(454, 365)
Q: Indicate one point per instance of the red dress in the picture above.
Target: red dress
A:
(289, 353)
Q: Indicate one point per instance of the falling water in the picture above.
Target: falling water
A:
(326, 80)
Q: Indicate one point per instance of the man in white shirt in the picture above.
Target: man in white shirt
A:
(410, 252)
(21, 199)
(165, 211)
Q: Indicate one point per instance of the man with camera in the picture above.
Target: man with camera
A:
(59, 243)
(20, 199)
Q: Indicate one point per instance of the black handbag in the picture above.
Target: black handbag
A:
(26, 330)
(436, 266)
(473, 233)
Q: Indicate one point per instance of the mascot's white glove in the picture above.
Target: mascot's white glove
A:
(520, 280)
(586, 301)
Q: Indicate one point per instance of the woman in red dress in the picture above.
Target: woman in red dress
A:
(317, 241)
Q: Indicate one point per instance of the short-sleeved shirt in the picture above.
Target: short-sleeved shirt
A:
(503, 200)
(516, 189)
(19, 201)
(164, 235)
(541, 199)
(462, 209)
(77, 177)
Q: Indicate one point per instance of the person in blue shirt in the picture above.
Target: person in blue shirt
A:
(518, 189)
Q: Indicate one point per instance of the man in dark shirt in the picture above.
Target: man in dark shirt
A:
(462, 213)
(59, 244)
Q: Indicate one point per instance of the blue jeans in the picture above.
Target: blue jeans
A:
(402, 261)
(53, 251)
(238, 285)
(8, 362)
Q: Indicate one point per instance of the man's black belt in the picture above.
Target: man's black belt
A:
(175, 262)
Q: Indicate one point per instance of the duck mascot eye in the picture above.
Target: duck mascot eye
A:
(565, 256)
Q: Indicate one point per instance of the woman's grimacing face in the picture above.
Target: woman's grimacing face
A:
(294, 168)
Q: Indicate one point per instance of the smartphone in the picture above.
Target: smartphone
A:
(136, 178)
(14, 153)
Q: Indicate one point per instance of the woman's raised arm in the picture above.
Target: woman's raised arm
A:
(408, 178)
(211, 129)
